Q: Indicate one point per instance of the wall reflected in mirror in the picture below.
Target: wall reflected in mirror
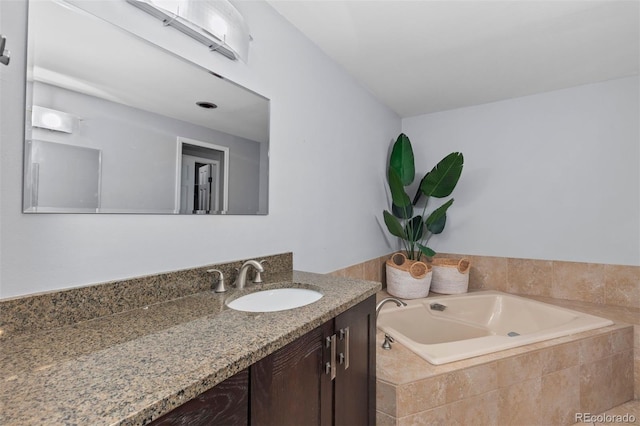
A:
(115, 124)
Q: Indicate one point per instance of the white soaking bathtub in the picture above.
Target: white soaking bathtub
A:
(478, 323)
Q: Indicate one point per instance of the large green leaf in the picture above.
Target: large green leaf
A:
(414, 229)
(393, 225)
(426, 251)
(438, 226)
(401, 160)
(438, 218)
(443, 178)
(405, 212)
(398, 195)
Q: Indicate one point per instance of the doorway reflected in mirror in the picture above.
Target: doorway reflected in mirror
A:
(202, 186)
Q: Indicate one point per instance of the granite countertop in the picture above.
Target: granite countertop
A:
(132, 367)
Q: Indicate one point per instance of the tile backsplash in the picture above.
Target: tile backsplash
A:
(59, 308)
(617, 285)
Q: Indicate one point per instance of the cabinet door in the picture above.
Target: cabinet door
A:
(290, 387)
(355, 384)
(225, 404)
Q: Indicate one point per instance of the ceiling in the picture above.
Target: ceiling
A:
(96, 64)
(424, 56)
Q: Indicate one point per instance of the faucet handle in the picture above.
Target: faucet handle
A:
(258, 277)
(388, 340)
(220, 288)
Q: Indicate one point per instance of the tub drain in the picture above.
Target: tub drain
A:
(512, 334)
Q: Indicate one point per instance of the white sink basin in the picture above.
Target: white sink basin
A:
(279, 299)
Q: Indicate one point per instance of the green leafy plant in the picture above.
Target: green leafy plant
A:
(416, 230)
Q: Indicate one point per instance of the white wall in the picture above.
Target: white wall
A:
(549, 176)
(329, 141)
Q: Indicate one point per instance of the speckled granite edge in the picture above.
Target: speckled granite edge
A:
(60, 308)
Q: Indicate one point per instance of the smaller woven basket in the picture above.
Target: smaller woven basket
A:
(450, 276)
(407, 279)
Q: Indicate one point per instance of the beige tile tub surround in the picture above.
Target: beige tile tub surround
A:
(615, 313)
(541, 384)
(617, 285)
(606, 289)
(546, 386)
(371, 270)
(60, 308)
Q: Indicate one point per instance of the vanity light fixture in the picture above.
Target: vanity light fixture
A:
(50, 119)
(215, 23)
(206, 105)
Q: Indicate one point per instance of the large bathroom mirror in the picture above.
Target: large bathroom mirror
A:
(116, 124)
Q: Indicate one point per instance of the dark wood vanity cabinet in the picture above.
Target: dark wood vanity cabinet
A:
(326, 377)
(355, 387)
(290, 387)
(225, 404)
(300, 385)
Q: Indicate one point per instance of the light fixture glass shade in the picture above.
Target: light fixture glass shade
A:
(216, 23)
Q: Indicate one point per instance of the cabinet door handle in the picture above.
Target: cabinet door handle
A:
(344, 357)
(330, 367)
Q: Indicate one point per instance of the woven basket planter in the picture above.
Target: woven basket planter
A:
(450, 276)
(407, 279)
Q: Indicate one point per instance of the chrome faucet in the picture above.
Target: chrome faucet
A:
(386, 345)
(241, 281)
(398, 302)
